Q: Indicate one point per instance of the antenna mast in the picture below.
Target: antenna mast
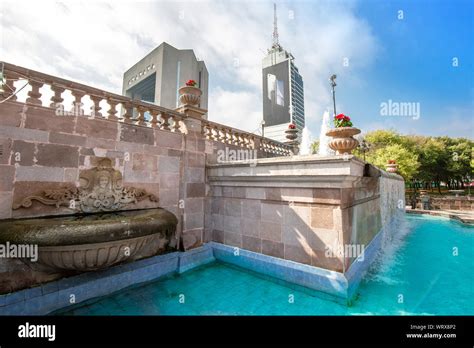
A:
(275, 27)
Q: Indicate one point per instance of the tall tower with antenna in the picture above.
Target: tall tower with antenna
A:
(283, 93)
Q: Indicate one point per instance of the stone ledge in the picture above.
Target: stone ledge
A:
(309, 159)
(55, 295)
(466, 217)
(285, 181)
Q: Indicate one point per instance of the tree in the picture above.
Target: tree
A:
(429, 161)
(315, 147)
(407, 160)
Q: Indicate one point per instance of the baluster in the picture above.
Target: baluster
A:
(251, 142)
(165, 125)
(214, 133)
(227, 136)
(77, 103)
(10, 88)
(56, 99)
(222, 135)
(237, 139)
(128, 115)
(95, 108)
(243, 141)
(210, 133)
(154, 118)
(141, 116)
(113, 109)
(241, 138)
(177, 124)
(34, 95)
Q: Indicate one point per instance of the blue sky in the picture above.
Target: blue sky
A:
(416, 64)
(403, 60)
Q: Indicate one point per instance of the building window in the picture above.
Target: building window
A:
(275, 89)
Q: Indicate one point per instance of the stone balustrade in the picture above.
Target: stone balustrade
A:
(231, 136)
(127, 110)
(120, 108)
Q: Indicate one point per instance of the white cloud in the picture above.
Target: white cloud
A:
(235, 109)
(95, 42)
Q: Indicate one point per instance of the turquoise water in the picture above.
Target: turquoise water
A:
(418, 274)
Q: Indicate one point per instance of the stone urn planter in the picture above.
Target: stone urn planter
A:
(291, 134)
(391, 167)
(190, 95)
(342, 139)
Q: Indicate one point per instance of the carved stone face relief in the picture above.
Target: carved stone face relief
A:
(100, 189)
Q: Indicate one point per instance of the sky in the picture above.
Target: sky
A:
(402, 51)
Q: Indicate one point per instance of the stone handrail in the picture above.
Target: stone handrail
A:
(133, 111)
(228, 135)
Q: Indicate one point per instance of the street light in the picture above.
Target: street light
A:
(333, 85)
(263, 127)
(468, 177)
(364, 146)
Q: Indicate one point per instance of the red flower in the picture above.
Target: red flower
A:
(291, 126)
(347, 118)
(339, 117)
(191, 83)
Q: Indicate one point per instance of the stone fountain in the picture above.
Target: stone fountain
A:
(101, 233)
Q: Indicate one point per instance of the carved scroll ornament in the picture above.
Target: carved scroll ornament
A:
(100, 190)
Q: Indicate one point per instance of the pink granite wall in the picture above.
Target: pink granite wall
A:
(40, 150)
(296, 224)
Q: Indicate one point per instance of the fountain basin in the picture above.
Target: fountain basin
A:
(92, 241)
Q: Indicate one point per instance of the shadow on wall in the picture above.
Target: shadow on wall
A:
(287, 223)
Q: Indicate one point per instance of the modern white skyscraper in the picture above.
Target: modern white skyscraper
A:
(283, 93)
(157, 77)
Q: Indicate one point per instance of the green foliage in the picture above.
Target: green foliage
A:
(423, 159)
(407, 160)
(315, 147)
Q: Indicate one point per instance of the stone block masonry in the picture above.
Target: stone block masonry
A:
(36, 158)
(290, 208)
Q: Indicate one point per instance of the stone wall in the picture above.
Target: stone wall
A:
(44, 151)
(447, 203)
(40, 150)
(297, 209)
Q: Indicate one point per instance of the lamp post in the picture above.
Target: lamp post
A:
(263, 128)
(333, 85)
(364, 146)
(468, 177)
